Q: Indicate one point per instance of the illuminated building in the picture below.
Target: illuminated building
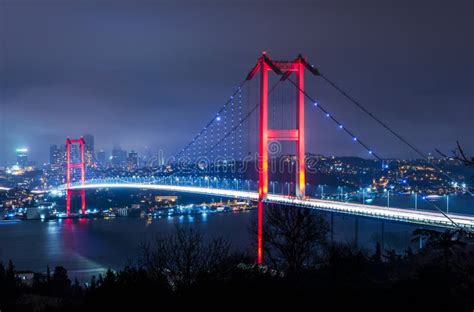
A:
(166, 198)
(22, 157)
(101, 158)
(119, 157)
(57, 155)
(89, 149)
(132, 160)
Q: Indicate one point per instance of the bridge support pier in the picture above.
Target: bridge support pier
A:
(260, 232)
(332, 227)
(382, 238)
(69, 194)
(356, 234)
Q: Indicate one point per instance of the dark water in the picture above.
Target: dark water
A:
(87, 247)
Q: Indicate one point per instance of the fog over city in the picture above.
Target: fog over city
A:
(148, 73)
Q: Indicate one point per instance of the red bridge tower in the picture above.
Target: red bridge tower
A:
(70, 166)
(285, 69)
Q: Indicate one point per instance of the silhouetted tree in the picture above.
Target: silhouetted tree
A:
(441, 245)
(293, 237)
(377, 256)
(48, 274)
(9, 287)
(10, 277)
(184, 256)
(60, 282)
(93, 284)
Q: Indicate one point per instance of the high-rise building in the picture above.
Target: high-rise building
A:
(22, 157)
(89, 149)
(132, 160)
(160, 158)
(147, 157)
(52, 153)
(119, 157)
(57, 155)
(101, 158)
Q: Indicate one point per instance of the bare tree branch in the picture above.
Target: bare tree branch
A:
(184, 256)
(292, 237)
(458, 154)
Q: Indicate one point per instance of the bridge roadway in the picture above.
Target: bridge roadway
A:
(426, 218)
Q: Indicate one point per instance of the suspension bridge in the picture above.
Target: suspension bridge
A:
(237, 190)
(226, 146)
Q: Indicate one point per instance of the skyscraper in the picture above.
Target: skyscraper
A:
(101, 158)
(132, 160)
(57, 155)
(22, 157)
(89, 149)
(119, 157)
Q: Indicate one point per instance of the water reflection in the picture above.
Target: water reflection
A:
(91, 245)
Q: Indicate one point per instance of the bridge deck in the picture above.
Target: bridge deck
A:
(426, 218)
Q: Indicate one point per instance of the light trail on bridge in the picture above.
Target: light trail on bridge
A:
(425, 218)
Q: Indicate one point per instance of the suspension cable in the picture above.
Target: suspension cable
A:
(212, 120)
(242, 121)
(339, 124)
(388, 128)
(365, 146)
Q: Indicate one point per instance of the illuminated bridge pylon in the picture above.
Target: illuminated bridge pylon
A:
(70, 166)
(284, 69)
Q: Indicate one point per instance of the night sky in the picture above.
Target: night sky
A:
(151, 73)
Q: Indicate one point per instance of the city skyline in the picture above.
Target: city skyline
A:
(172, 150)
(146, 153)
(124, 88)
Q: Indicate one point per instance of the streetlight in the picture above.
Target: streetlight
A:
(416, 200)
(368, 190)
(447, 203)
